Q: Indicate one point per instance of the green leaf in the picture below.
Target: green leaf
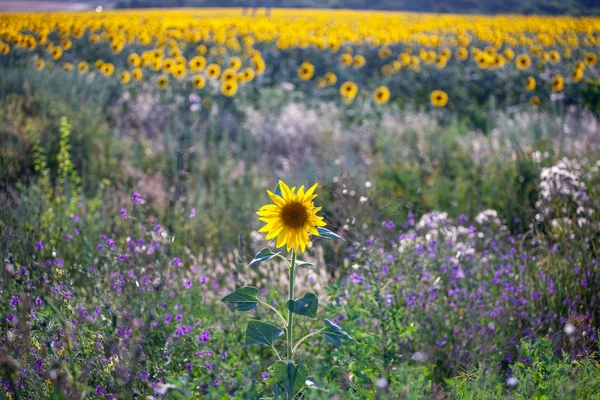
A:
(327, 234)
(290, 376)
(243, 299)
(263, 255)
(334, 334)
(300, 263)
(307, 305)
(259, 332)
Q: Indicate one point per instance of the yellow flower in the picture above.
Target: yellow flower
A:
(523, 61)
(40, 64)
(137, 74)
(259, 65)
(168, 64)
(98, 64)
(246, 75)
(359, 61)
(590, 59)
(125, 77)
(530, 85)
(201, 49)
(462, 53)
(306, 71)
(198, 81)
(134, 60)
(331, 78)
(83, 67)
(229, 88)
(348, 90)
(235, 63)
(56, 52)
(68, 67)
(66, 44)
(535, 101)
(439, 98)
(228, 75)
(213, 71)
(554, 57)
(107, 69)
(162, 81)
(558, 83)
(384, 52)
(346, 59)
(321, 82)
(577, 75)
(381, 95)
(291, 218)
(197, 63)
(179, 71)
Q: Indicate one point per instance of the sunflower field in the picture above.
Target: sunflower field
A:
(300, 204)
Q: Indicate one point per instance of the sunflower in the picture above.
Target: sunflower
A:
(530, 85)
(107, 69)
(197, 63)
(134, 60)
(331, 78)
(321, 82)
(201, 49)
(246, 75)
(291, 218)
(359, 61)
(179, 71)
(590, 59)
(228, 75)
(229, 88)
(558, 83)
(384, 52)
(462, 53)
(213, 71)
(68, 67)
(381, 95)
(346, 59)
(162, 81)
(98, 64)
(306, 71)
(83, 67)
(125, 77)
(535, 101)
(137, 74)
(439, 98)
(259, 65)
(235, 63)
(56, 52)
(554, 57)
(348, 90)
(577, 75)
(523, 61)
(168, 64)
(199, 81)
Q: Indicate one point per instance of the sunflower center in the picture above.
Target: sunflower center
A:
(294, 215)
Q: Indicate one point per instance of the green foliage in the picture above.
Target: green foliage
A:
(307, 305)
(259, 332)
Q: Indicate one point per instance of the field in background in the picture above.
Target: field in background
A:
(457, 155)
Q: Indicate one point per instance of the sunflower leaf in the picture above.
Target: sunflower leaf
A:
(263, 255)
(259, 332)
(290, 376)
(300, 263)
(307, 305)
(243, 299)
(334, 334)
(327, 234)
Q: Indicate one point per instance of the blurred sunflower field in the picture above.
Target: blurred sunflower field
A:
(457, 164)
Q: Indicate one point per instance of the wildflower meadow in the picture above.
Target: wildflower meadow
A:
(211, 203)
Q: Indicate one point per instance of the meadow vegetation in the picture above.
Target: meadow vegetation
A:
(455, 155)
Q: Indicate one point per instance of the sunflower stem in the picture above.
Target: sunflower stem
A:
(290, 324)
